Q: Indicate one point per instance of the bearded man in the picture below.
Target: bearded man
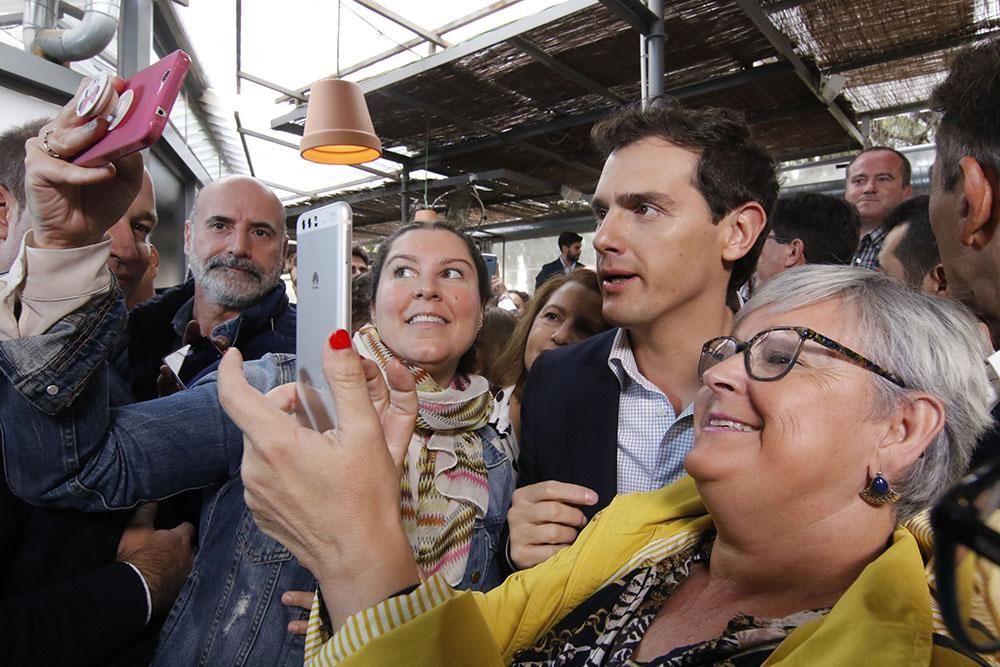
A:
(235, 241)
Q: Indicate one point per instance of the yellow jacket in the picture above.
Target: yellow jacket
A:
(884, 618)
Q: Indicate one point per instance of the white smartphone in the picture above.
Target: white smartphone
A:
(324, 304)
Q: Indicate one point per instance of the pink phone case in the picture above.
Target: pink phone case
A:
(154, 90)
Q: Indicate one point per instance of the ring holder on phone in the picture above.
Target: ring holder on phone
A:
(124, 105)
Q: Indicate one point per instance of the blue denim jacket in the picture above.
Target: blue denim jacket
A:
(64, 447)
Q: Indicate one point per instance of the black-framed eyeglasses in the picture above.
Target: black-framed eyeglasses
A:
(771, 353)
(778, 239)
(961, 520)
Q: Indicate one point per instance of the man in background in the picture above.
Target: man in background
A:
(910, 252)
(878, 180)
(808, 228)
(570, 248)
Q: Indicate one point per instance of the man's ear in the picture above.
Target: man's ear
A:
(979, 223)
(187, 237)
(742, 227)
(8, 212)
(917, 420)
(935, 282)
(796, 253)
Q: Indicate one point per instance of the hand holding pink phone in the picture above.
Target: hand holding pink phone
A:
(143, 109)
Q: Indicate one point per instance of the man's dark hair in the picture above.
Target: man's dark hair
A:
(967, 101)
(907, 169)
(361, 253)
(567, 239)
(917, 251)
(828, 226)
(361, 300)
(12, 156)
(733, 168)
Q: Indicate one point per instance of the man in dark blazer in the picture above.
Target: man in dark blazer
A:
(682, 206)
(570, 247)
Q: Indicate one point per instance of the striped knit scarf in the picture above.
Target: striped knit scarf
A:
(446, 456)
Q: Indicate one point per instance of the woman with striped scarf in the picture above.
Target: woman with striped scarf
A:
(429, 288)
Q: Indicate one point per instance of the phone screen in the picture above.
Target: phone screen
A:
(491, 264)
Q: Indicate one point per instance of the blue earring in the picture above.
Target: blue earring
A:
(878, 492)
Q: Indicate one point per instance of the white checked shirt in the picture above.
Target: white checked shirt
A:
(652, 439)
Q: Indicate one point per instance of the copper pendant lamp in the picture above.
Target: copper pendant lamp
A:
(425, 215)
(338, 128)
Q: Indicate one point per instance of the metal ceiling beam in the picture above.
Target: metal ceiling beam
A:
(287, 188)
(633, 12)
(523, 228)
(454, 53)
(784, 47)
(895, 110)
(243, 141)
(289, 94)
(477, 127)
(910, 51)
(525, 132)
(392, 176)
(564, 70)
(460, 22)
(440, 184)
(403, 21)
(730, 81)
(783, 4)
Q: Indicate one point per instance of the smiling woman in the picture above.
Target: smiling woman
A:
(564, 310)
(429, 288)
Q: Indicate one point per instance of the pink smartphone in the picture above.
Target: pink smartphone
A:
(142, 113)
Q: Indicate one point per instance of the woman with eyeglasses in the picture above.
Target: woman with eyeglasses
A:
(843, 405)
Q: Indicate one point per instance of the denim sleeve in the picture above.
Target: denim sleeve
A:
(49, 370)
(85, 455)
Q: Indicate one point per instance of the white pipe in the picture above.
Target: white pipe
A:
(38, 15)
(100, 20)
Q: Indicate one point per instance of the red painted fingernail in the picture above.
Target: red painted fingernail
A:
(340, 339)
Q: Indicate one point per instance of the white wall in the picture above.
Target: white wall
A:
(16, 107)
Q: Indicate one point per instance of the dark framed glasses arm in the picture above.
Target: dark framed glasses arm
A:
(850, 354)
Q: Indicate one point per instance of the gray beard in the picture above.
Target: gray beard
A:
(233, 290)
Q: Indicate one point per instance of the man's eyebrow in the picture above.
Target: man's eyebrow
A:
(632, 199)
(218, 218)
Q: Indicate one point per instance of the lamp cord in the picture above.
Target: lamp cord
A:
(337, 56)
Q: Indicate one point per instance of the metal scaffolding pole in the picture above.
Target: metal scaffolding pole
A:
(656, 46)
(404, 196)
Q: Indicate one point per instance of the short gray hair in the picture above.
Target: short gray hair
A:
(930, 343)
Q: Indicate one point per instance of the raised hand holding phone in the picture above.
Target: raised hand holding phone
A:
(72, 205)
(141, 112)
